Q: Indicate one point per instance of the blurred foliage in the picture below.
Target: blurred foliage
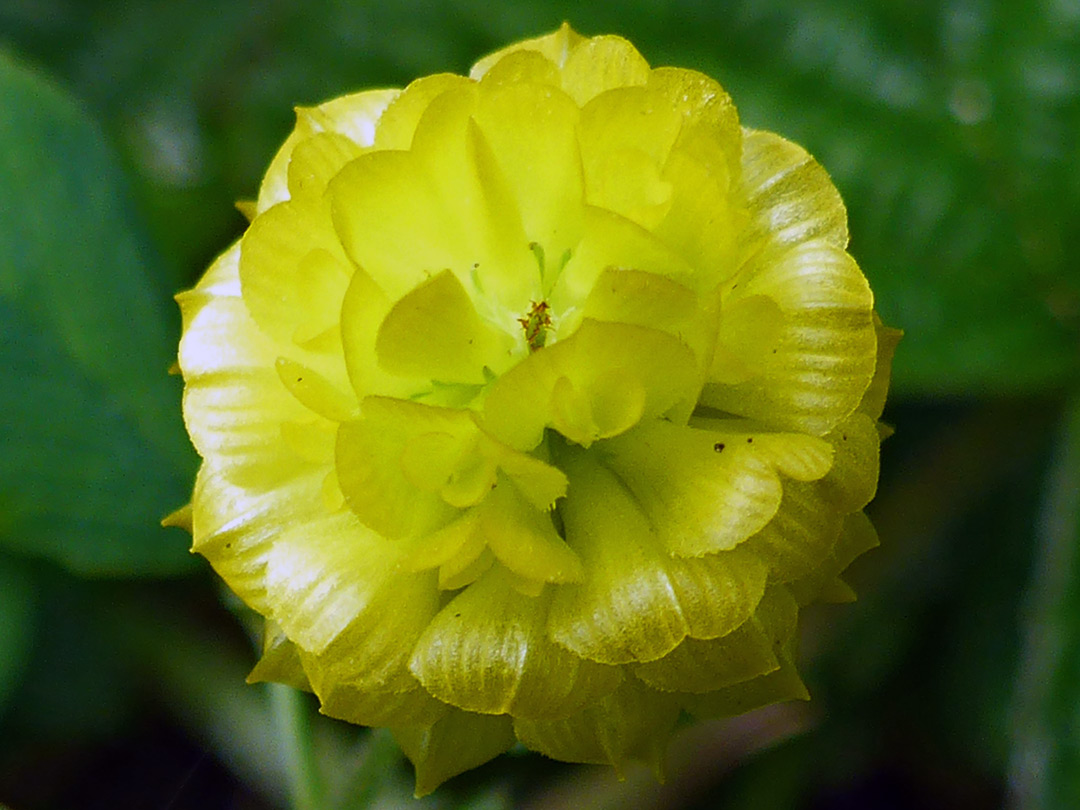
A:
(130, 127)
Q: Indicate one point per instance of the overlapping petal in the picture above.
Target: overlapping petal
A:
(534, 405)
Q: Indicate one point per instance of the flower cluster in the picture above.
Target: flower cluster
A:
(533, 405)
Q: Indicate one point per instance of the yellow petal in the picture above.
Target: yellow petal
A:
(749, 651)
(857, 536)
(602, 63)
(717, 592)
(626, 135)
(636, 603)
(826, 351)
(371, 473)
(392, 223)
(776, 686)
(887, 340)
(315, 391)
(398, 122)
(451, 745)
(852, 481)
(707, 490)
(710, 121)
(465, 567)
(311, 441)
(626, 609)
(524, 539)
(701, 220)
(523, 401)
(801, 535)
(646, 299)
(362, 312)
(555, 47)
(750, 331)
(293, 271)
(434, 332)
(532, 133)
(789, 195)
(353, 116)
(280, 661)
(486, 652)
(522, 66)
(234, 402)
(329, 579)
(479, 202)
(235, 527)
(375, 707)
(316, 160)
(633, 722)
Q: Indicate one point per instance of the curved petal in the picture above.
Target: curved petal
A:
(530, 397)
(523, 538)
(487, 652)
(478, 199)
(779, 685)
(790, 197)
(708, 487)
(556, 47)
(825, 585)
(397, 125)
(750, 651)
(235, 527)
(636, 603)
(711, 131)
(293, 272)
(807, 525)
(280, 660)
(888, 339)
(377, 707)
(331, 584)
(633, 722)
(392, 222)
(433, 332)
(626, 135)
(316, 160)
(355, 116)
(602, 63)
(373, 471)
(610, 242)
(532, 133)
(455, 743)
(234, 401)
(826, 351)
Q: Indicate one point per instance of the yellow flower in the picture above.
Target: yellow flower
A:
(533, 405)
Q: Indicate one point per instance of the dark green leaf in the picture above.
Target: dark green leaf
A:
(17, 603)
(95, 453)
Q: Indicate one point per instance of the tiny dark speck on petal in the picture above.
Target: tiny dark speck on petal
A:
(749, 439)
(718, 447)
(457, 615)
(299, 379)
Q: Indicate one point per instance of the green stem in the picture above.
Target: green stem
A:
(293, 725)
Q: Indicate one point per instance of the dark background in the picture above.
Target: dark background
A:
(128, 128)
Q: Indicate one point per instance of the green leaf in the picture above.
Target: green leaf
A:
(17, 609)
(1045, 758)
(95, 453)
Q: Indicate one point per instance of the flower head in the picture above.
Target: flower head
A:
(534, 404)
